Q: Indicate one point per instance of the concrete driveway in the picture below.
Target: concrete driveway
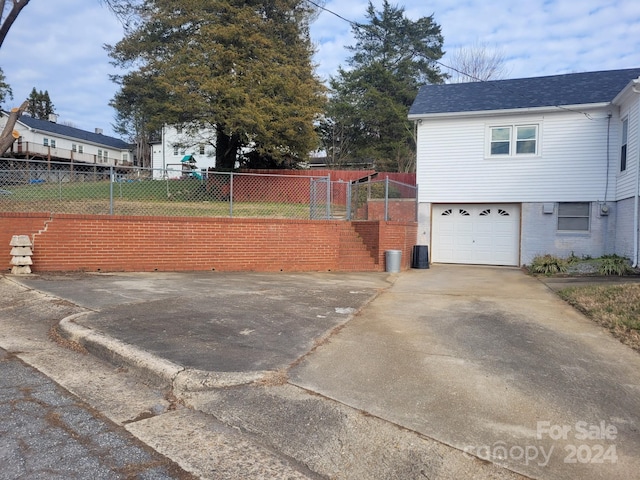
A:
(486, 360)
(490, 361)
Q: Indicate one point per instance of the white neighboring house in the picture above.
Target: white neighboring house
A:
(510, 169)
(49, 140)
(171, 155)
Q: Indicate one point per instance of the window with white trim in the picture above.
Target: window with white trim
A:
(623, 145)
(513, 140)
(574, 216)
(45, 142)
(53, 143)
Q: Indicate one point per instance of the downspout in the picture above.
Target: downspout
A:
(636, 195)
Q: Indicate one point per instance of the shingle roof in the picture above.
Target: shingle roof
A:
(561, 90)
(72, 132)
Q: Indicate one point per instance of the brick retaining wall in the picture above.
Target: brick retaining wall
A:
(66, 242)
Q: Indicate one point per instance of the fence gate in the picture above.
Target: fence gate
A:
(320, 201)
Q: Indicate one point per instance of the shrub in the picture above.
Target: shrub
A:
(614, 265)
(548, 265)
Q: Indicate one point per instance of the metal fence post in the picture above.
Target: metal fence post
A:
(386, 199)
(328, 207)
(110, 190)
(231, 194)
(349, 201)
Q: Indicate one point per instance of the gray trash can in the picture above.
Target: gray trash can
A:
(393, 260)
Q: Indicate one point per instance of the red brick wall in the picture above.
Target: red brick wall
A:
(124, 243)
(399, 210)
(380, 236)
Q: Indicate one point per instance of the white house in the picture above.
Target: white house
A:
(177, 144)
(510, 169)
(49, 140)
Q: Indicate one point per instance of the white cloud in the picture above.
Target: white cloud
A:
(57, 46)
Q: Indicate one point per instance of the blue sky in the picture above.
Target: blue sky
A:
(57, 46)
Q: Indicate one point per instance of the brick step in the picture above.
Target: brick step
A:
(354, 255)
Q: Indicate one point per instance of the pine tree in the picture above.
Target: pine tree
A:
(39, 104)
(370, 101)
(241, 67)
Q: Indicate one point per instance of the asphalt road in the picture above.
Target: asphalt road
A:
(48, 433)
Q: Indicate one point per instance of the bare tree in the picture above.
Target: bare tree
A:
(8, 14)
(9, 11)
(477, 63)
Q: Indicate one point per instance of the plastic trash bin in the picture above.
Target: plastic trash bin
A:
(420, 258)
(393, 259)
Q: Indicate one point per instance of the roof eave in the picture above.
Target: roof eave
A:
(509, 111)
(633, 85)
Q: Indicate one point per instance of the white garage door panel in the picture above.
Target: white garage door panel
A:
(476, 234)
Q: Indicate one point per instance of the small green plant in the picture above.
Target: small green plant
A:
(548, 265)
(614, 265)
(573, 258)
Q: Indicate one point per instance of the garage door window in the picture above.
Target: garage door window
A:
(574, 216)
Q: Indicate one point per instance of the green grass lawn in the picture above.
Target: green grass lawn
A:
(176, 197)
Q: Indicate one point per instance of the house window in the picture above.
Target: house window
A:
(175, 150)
(80, 149)
(183, 151)
(623, 148)
(125, 157)
(106, 155)
(500, 140)
(100, 155)
(514, 140)
(74, 147)
(201, 149)
(574, 216)
(45, 142)
(53, 143)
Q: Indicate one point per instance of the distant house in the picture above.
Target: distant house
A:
(511, 169)
(49, 140)
(177, 144)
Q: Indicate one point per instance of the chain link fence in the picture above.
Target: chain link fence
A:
(41, 186)
(383, 200)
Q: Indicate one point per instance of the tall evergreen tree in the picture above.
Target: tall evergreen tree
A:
(5, 89)
(369, 102)
(39, 104)
(241, 67)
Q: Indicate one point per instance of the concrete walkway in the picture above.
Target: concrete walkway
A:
(485, 360)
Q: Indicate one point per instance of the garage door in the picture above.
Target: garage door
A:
(480, 234)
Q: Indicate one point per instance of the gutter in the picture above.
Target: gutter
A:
(636, 196)
(578, 108)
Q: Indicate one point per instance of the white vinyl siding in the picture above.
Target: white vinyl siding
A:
(626, 181)
(570, 165)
